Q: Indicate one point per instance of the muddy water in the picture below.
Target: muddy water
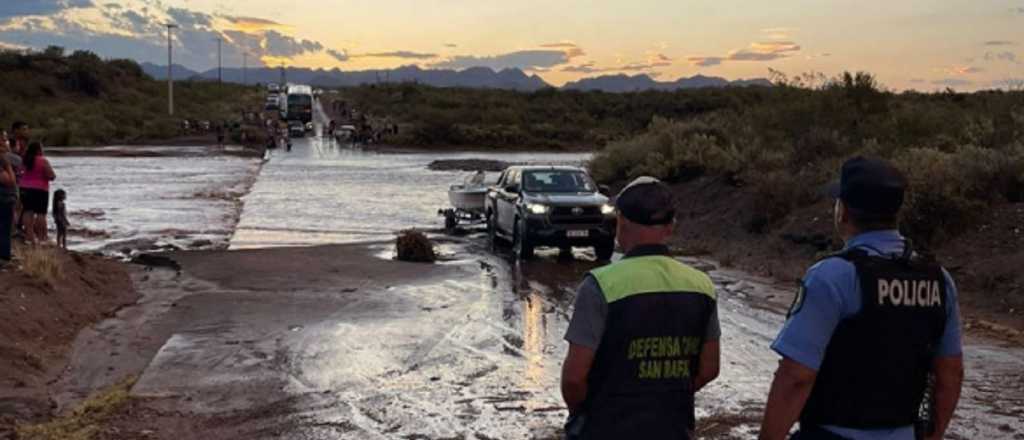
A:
(473, 354)
(142, 203)
(322, 192)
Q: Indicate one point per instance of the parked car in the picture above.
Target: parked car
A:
(534, 206)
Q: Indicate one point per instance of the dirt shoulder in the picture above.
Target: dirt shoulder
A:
(717, 219)
(42, 322)
(272, 291)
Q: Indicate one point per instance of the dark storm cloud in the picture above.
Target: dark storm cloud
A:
(523, 59)
(655, 61)
(280, 45)
(1006, 56)
(762, 51)
(339, 55)
(190, 19)
(705, 61)
(952, 82)
(251, 21)
(195, 41)
(18, 8)
(583, 68)
(405, 54)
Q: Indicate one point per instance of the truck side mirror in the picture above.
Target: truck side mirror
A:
(605, 189)
(512, 189)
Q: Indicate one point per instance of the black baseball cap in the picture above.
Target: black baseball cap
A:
(646, 201)
(871, 186)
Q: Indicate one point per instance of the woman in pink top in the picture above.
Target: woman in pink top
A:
(35, 192)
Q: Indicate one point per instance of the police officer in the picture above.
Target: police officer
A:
(644, 334)
(868, 329)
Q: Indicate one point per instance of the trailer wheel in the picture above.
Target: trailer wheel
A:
(450, 220)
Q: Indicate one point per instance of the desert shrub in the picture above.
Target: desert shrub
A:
(962, 153)
(414, 246)
(950, 190)
(42, 263)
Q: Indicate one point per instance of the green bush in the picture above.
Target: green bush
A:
(962, 153)
(80, 99)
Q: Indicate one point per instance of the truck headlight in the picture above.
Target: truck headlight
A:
(607, 209)
(537, 208)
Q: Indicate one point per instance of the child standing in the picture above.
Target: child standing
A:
(60, 218)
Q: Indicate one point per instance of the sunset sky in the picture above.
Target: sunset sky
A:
(920, 44)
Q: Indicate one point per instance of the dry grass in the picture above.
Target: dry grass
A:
(86, 421)
(414, 246)
(43, 263)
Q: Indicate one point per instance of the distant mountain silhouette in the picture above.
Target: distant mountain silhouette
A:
(475, 77)
(636, 83)
(160, 72)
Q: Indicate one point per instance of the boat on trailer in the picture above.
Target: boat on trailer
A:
(467, 202)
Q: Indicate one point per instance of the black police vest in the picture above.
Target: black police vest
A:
(877, 363)
(641, 382)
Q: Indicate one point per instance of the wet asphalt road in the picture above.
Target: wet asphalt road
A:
(470, 349)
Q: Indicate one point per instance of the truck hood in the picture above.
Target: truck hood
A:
(569, 199)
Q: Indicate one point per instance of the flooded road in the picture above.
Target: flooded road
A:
(167, 200)
(340, 342)
(322, 192)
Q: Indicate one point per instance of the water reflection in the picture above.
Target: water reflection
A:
(534, 337)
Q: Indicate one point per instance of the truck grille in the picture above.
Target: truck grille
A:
(565, 215)
(567, 211)
(576, 220)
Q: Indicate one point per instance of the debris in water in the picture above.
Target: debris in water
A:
(414, 246)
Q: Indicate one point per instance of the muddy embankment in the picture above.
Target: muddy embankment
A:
(43, 318)
(727, 224)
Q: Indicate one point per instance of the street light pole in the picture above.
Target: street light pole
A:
(220, 73)
(170, 71)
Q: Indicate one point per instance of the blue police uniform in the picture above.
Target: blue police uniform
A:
(830, 294)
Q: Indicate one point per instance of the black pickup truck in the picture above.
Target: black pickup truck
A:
(556, 206)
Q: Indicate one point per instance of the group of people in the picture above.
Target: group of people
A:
(871, 348)
(25, 176)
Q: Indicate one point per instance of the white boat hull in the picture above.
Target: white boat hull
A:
(467, 199)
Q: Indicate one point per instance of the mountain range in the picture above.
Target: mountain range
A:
(475, 77)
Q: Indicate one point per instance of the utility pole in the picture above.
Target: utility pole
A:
(170, 71)
(220, 72)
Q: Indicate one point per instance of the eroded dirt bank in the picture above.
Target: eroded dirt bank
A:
(41, 321)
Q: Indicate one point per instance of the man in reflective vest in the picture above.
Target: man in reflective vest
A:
(644, 333)
(870, 328)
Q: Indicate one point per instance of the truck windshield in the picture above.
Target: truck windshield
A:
(559, 181)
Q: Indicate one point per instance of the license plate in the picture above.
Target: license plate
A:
(577, 234)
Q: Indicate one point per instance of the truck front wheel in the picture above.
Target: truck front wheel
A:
(522, 243)
(605, 250)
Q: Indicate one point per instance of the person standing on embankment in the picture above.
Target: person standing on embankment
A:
(35, 193)
(8, 197)
(644, 336)
(870, 327)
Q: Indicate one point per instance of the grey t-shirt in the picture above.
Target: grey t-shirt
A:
(11, 192)
(588, 320)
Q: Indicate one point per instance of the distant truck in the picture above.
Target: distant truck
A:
(298, 104)
(533, 206)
